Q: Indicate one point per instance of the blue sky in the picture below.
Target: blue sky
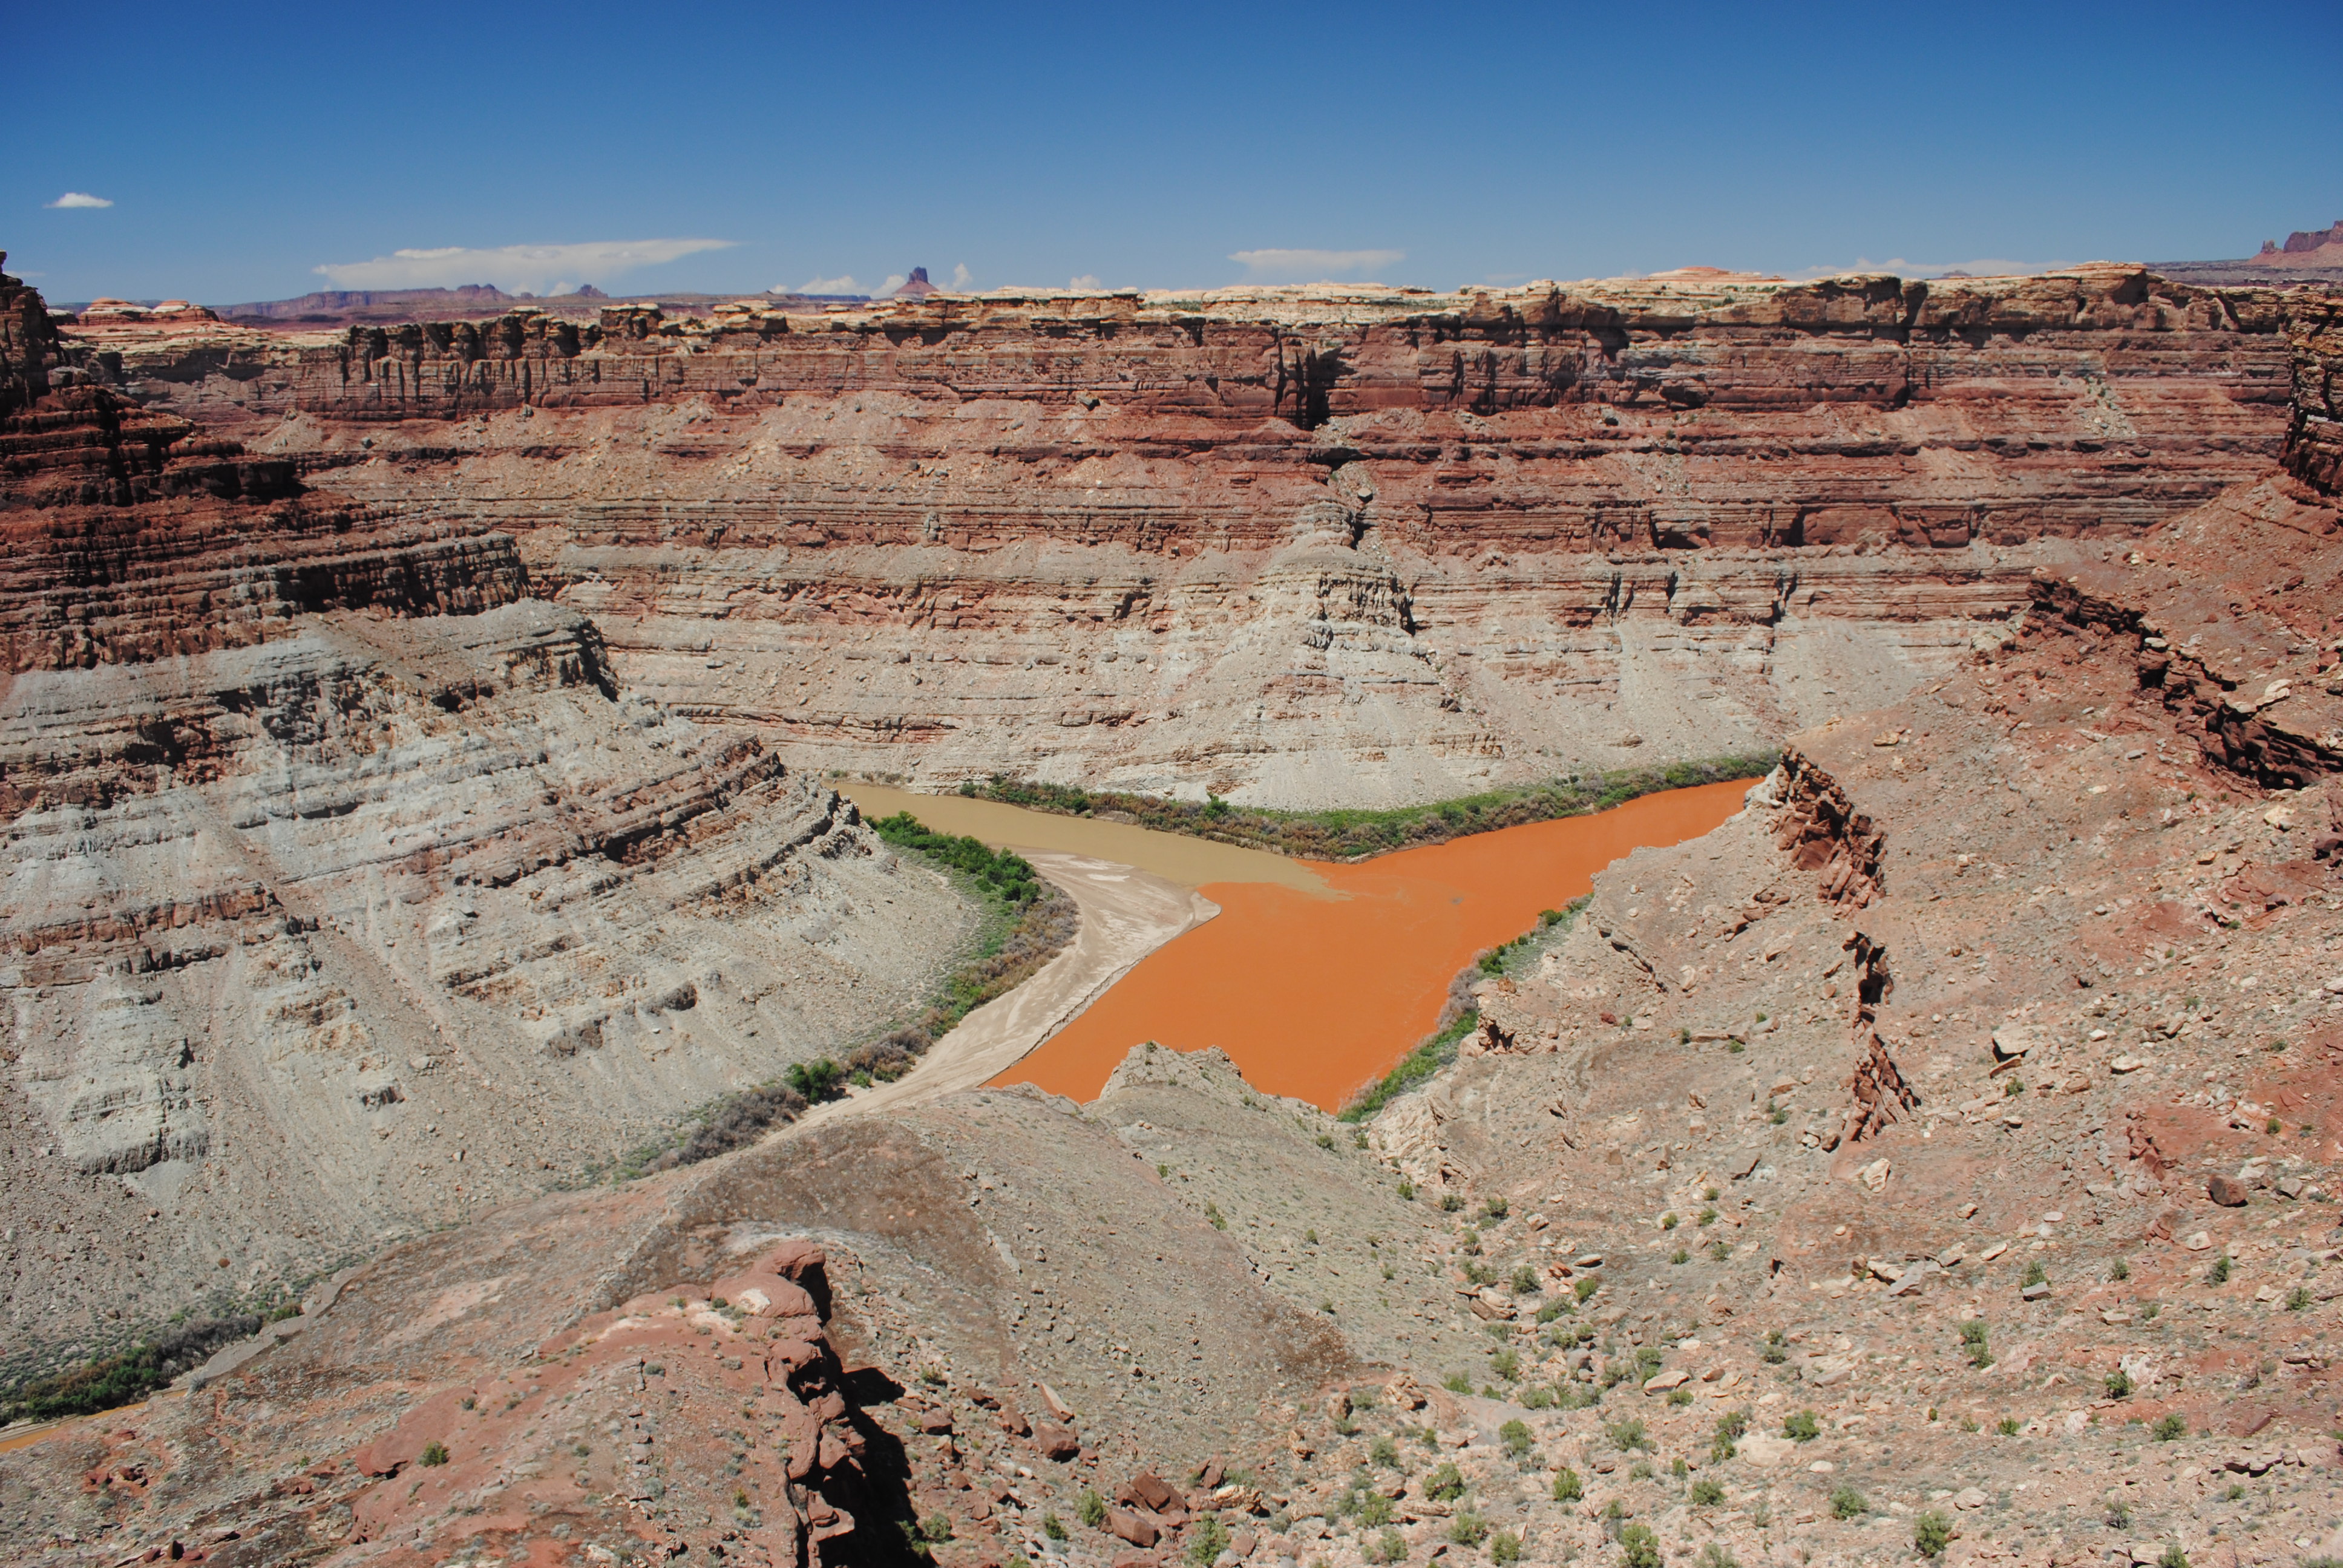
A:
(743, 147)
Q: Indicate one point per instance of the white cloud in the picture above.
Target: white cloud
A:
(1308, 265)
(531, 268)
(962, 279)
(1983, 266)
(895, 280)
(1087, 280)
(79, 199)
(842, 283)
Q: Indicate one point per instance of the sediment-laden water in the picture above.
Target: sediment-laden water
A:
(1315, 978)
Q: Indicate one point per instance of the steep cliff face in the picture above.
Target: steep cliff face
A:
(343, 888)
(2314, 437)
(1293, 546)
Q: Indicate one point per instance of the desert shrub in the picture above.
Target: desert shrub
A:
(1705, 1493)
(1384, 1452)
(1506, 1364)
(1628, 1435)
(1931, 1533)
(1053, 1527)
(2170, 1427)
(2219, 1274)
(1468, 1529)
(1091, 1508)
(434, 1456)
(936, 1528)
(1444, 1484)
(1638, 1547)
(1847, 1503)
(1450, 1202)
(2119, 1384)
(2006, 1426)
(1800, 1426)
(1207, 1540)
(1504, 1546)
(1515, 1436)
(1567, 1487)
(2173, 1557)
(1776, 1352)
(1495, 1208)
(1524, 1281)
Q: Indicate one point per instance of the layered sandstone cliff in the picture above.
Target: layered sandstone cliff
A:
(345, 889)
(1292, 546)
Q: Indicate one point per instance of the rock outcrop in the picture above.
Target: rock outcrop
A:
(1293, 546)
(2314, 437)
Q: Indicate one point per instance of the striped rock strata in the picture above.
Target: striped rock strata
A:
(1295, 545)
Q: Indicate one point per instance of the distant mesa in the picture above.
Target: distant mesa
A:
(919, 287)
(336, 304)
(2310, 258)
(1707, 274)
(2306, 248)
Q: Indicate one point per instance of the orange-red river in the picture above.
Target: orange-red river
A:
(1317, 991)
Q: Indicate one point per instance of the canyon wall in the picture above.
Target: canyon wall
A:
(345, 889)
(1295, 545)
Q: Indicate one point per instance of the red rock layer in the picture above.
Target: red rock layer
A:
(126, 538)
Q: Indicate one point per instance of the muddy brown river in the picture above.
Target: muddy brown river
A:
(1315, 978)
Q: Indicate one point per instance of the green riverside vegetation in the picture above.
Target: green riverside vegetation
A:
(1025, 922)
(1352, 834)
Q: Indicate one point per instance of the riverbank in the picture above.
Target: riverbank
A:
(1348, 837)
